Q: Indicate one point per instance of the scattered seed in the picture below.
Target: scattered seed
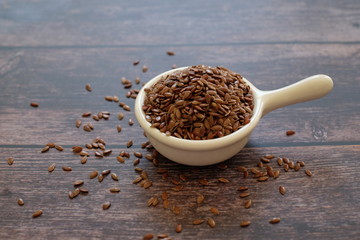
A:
(198, 221)
(59, 148)
(51, 168)
(67, 169)
(131, 122)
(136, 162)
(248, 203)
(88, 87)
(98, 154)
(147, 184)
(244, 223)
(200, 199)
(129, 143)
(263, 179)
(78, 123)
(214, 210)
(107, 152)
(77, 149)
(94, 174)
(136, 62)
(76, 192)
(86, 114)
(114, 177)
(78, 183)
(282, 190)
(105, 172)
(211, 222)
(37, 213)
(137, 180)
(148, 236)
(178, 228)
(114, 190)
(118, 128)
(145, 68)
(242, 188)
(34, 104)
(10, 161)
(83, 160)
(290, 132)
(45, 149)
(170, 53)
(120, 159)
(308, 172)
(83, 190)
(274, 220)
(100, 178)
(276, 174)
(176, 210)
(280, 161)
(20, 201)
(106, 205)
(264, 160)
(223, 180)
(244, 194)
(286, 167)
(297, 167)
(286, 160)
(50, 144)
(302, 164)
(204, 182)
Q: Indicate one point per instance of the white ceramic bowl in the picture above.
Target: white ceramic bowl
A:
(207, 152)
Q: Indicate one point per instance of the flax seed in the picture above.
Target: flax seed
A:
(286, 160)
(106, 172)
(77, 149)
(290, 132)
(88, 87)
(98, 154)
(274, 220)
(107, 152)
(59, 148)
(308, 173)
(20, 201)
(147, 184)
(280, 161)
(214, 210)
(78, 123)
(106, 205)
(223, 180)
(265, 160)
(34, 104)
(129, 143)
(114, 190)
(248, 203)
(78, 183)
(67, 168)
(83, 160)
(242, 188)
(211, 222)
(10, 161)
(244, 194)
(93, 174)
(45, 149)
(178, 228)
(170, 53)
(198, 221)
(286, 167)
(200, 199)
(145, 68)
(245, 223)
(118, 128)
(176, 210)
(50, 144)
(204, 182)
(120, 159)
(148, 236)
(38, 213)
(83, 190)
(114, 177)
(136, 62)
(137, 180)
(100, 177)
(131, 122)
(282, 190)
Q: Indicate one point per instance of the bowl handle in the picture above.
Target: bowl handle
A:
(310, 88)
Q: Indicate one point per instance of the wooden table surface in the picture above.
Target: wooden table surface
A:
(49, 50)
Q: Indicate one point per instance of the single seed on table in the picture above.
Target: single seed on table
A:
(108, 98)
(265, 160)
(126, 108)
(84, 153)
(198, 221)
(147, 184)
(137, 80)
(86, 114)
(138, 154)
(242, 188)
(45, 149)
(276, 174)
(286, 167)
(120, 159)
(162, 235)
(245, 223)
(164, 195)
(76, 192)
(177, 188)
(297, 167)
(67, 168)
(145, 68)
(129, 143)
(290, 132)
(59, 148)
(244, 194)
(98, 154)
(78, 183)
(107, 152)
(10, 161)
(77, 149)
(51, 168)
(137, 180)
(308, 172)
(96, 117)
(50, 144)
(136, 161)
(136, 62)
(83, 160)
(115, 98)
(274, 220)
(88, 146)
(214, 210)
(78, 123)
(178, 228)
(260, 164)
(131, 122)
(114, 177)
(248, 203)
(149, 157)
(282, 190)
(93, 174)
(114, 190)
(137, 169)
(100, 178)
(20, 201)
(83, 190)
(291, 165)
(101, 146)
(118, 128)
(166, 204)
(211, 222)
(148, 236)
(174, 66)
(170, 53)
(222, 166)
(204, 182)
(286, 160)
(88, 87)
(269, 156)
(37, 213)
(120, 116)
(200, 199)
(279, 161)
(105, 172)
(302, 164)
(106, 205)
(176, 210)
(34, 104)
(254, 170)
(223, 180)
(183, 177)
(87, 128)
(241, 169)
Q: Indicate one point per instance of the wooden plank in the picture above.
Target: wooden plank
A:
(44, 23)
(56, 78)
(319, 207)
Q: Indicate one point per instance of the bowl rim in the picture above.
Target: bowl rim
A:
(197, 145)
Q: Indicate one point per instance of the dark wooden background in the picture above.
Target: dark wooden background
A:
(49, 50)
